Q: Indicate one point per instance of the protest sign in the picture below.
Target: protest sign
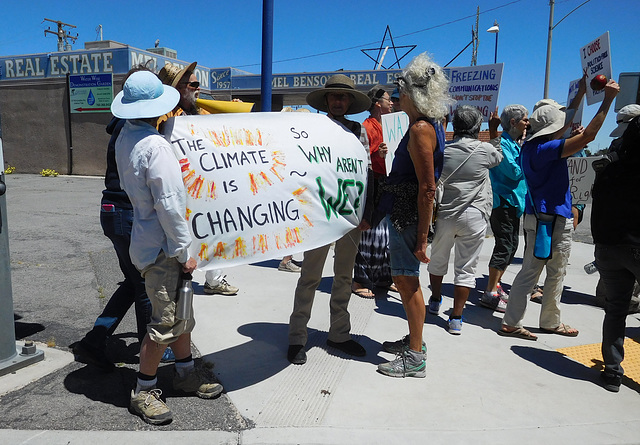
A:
(477, 86)
(394, 126)
(576, 120)
(581, 178)
(264, 185)
(596, 59)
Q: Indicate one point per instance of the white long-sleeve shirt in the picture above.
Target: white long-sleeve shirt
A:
(150, 174)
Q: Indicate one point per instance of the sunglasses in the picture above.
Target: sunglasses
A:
(194, 84)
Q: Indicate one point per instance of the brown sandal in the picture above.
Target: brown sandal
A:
(517, 333)
(562, 329)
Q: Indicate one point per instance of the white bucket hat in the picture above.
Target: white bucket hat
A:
(144, 96)
(625, 115)
(546, 120)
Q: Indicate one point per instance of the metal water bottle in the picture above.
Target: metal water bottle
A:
(184, 305)
(590, 268)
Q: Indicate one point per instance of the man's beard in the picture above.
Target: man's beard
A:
(189, 101)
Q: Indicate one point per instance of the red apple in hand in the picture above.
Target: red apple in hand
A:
(598, 82)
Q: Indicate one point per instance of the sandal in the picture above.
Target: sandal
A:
(517, 333)
(563, 329)
(363, 293)
(536, 294)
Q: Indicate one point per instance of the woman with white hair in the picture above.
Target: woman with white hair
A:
(408, 203)
(464, 211)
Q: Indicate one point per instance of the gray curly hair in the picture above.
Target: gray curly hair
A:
(515, 111)
(427, 86)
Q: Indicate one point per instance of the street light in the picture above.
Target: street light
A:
(495, 29)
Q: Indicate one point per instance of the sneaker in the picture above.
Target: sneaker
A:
(493, 301)
(85, 353)
(406, 364)
(455, 326)
(198, 383)
(396, 347)
(502, 294)
(434, 306)
(289, 266)
(610, 382)
(147, 404)
(168, 356)
(223, 288)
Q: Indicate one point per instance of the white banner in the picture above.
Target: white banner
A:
(264, 185)
(477, 86)
(596, 59)
(394, 126)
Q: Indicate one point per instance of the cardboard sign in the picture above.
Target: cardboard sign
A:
(581, 178)
(477, 86)
(394, 126)
(577, 118)
(596, 59)
(265, 185)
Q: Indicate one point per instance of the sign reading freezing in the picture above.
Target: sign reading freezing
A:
(265, 185)
(477, 86)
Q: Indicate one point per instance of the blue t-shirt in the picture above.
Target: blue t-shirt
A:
(547, 177)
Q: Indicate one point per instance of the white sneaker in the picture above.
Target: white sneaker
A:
(289, 266)
(223, 288)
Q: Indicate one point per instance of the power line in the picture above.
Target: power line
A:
(373, 43)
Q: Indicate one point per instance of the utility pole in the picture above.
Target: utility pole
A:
(63, 34)
(474, 39)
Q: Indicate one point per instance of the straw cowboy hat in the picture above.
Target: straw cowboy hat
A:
(171, 74)
(339, 83)
(144, 96)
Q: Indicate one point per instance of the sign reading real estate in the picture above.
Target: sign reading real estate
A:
(265, 185)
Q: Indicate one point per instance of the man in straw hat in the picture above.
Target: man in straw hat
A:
(186, 82)
(548, 212)
(151, 176)
(338, 98)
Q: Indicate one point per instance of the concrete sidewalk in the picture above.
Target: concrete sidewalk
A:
(480, 387)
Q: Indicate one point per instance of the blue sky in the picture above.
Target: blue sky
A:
(222, 34)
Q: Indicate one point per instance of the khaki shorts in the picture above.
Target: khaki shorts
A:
(162, 280)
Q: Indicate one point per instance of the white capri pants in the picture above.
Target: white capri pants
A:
(466, 232)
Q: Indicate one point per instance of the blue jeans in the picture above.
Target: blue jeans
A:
(117, 227)
(619, 268)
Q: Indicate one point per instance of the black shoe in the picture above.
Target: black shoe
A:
(85, 353)
(350, 347)
(610, 382)
(297, 355)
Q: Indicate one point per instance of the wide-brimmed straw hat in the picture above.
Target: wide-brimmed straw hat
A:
(625, 115)
(171, 74)
(339, 83)
(144, 96)
(546, 120)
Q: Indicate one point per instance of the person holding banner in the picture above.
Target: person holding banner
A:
(408, 203)
(186, 82)
(548, 217)
(372, 261)
(338, 98)
(151, 176)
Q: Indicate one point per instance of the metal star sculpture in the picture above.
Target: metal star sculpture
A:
(382, 51)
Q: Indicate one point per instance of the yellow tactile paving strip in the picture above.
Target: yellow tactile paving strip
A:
(591, 356)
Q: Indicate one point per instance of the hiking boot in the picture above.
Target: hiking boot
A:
(493, 301)
(222, 288)
(406, 364)
(289, 266)
(434, 306)
(502, 294)
(196, 382)
(455, 326)
(147, 404)
(85, 353)
(396, 347)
